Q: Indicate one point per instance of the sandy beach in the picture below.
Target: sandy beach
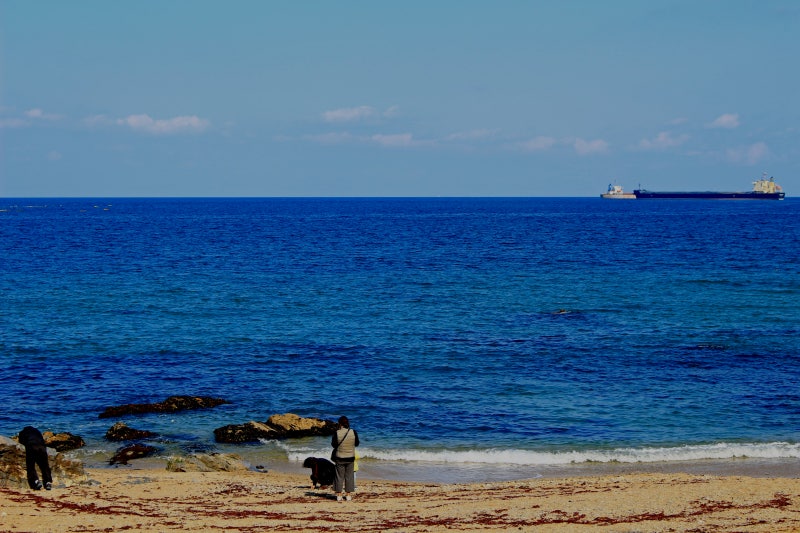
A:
(130, 498)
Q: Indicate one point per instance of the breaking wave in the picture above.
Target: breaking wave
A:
(773, 450)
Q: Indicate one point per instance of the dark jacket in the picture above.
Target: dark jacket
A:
(30, 436)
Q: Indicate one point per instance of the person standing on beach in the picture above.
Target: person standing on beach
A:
(35, 454)
(344, 442)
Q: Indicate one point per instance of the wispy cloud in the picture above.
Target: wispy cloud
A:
(538, 144)
(354, 114)
(14, 122)
(597, 146)
(389, 140)
(394, 140)
(349, 114)
(26, 118)
(662, 141)
(38, 114)
(339, 137)
(183, 124)
(726, 121)
(471, 135)
(750, 155)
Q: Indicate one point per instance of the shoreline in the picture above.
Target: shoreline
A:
(149, 499)
(458, 473)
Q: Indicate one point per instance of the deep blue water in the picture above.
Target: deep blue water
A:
(526, 331)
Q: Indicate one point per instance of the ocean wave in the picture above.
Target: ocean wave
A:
(722, 450)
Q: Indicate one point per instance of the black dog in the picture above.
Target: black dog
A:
(322, 471)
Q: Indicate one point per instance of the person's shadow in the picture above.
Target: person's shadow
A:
(321, 493)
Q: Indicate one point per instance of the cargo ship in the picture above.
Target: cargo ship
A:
(763, 189)
(615, 191)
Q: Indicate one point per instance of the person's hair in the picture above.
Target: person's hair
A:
(344, 422)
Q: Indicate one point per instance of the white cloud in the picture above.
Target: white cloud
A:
(394, 140)
(27, 118)
(726, 121)
(343, 137)
(37, 113)
(349, 114)
(538, 144)
(583, 147)
(352, 114)
(748, 154)
(662, 141)
(184, 124)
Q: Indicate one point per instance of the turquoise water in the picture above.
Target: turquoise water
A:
(513, 334)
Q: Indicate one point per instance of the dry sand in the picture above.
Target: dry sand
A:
(157, 500)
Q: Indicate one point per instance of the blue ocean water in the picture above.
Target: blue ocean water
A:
(516, 333)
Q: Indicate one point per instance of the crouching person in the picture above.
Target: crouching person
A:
(322, 472)
(35, 455)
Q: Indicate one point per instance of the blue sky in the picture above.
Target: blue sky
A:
(380, 98)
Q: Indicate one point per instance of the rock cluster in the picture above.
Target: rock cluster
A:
(277, 427)
(66, 472)
(170, 405)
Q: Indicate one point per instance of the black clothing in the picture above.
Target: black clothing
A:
(35, 454)
(30, 436)
(322, 471)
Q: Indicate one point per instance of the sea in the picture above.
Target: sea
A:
(466, 339)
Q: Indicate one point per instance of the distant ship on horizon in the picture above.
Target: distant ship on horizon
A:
(616, 192)
(763, 189)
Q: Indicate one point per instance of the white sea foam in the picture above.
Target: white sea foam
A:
(773, 450)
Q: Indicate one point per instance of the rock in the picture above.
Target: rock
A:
(247, 432)
(134, 451)
(120, 431)
(170, 405)
(63, 442)
(66, 472)
(207, 462)
(292, 425)
(277, 427)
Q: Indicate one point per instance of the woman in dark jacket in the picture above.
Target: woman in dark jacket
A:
(344, 443)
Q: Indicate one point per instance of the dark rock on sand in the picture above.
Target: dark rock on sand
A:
(170, 405)
(277, 427)
(134, 451)
(66, 472)
(120, 431)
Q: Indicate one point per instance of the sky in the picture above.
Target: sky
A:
(247, 98)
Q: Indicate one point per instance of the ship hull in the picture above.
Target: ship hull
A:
(709, 195)
(618, 196)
